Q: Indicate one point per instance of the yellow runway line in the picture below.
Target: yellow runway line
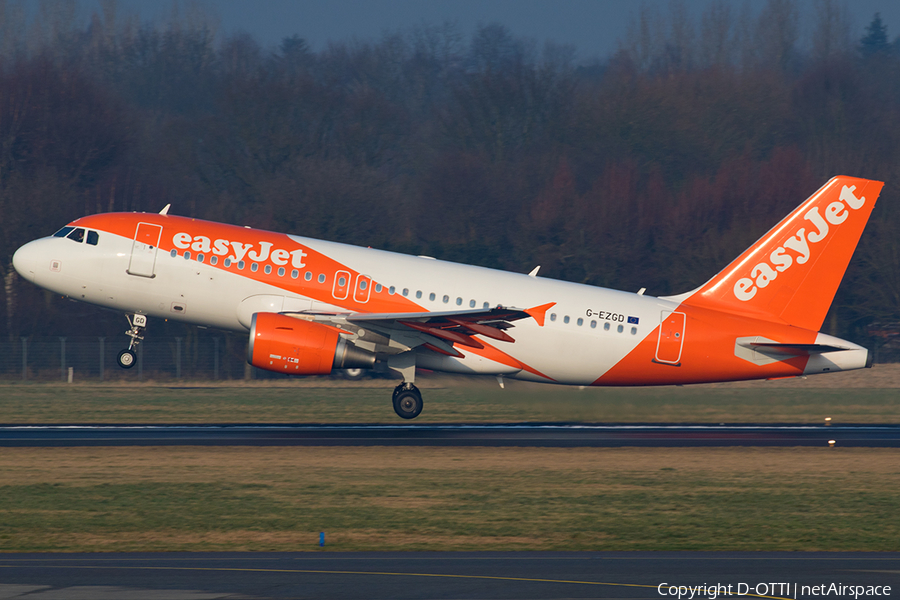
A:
(377, 573)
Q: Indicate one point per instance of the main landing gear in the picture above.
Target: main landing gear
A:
(407, 397)
(127, 358)
(407, 401)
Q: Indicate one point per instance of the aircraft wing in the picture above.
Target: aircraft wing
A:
(438, 331)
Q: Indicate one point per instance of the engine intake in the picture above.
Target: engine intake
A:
(297, 347)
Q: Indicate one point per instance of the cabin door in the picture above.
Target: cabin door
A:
(143, 250)
(671, 338)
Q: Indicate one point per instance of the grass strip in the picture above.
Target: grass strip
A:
(477, 400)
(229, 499)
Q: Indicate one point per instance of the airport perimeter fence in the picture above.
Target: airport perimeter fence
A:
(211, 358)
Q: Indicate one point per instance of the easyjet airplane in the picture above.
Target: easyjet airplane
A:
(311, 306)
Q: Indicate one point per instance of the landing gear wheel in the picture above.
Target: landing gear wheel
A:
(352, 374)
(407, 401)
(126, 359)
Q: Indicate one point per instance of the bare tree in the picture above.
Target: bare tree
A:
(681, 41)
(12, 26)
(55, 27)
(777, 32)
(717, 35)
(831, 35)
(644, 37)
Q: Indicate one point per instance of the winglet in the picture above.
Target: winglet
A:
(165, 209)
(539, 312)
(534, 271)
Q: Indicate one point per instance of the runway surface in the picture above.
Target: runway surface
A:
(413, 576)
(532, 435)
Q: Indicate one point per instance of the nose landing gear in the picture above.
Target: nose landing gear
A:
(138, 323)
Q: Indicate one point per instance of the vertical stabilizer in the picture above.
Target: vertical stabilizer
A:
(791, 274)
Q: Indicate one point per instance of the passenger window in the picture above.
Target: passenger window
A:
(199, 258)
(362, 284)
(580, 321)
(378, 288)
(240, 265)
(281, 271)
(63, 232)
(93, 238)
(268, 269)
(486, 306)
(295, 274)
(342, 281)
(187, 256)
(606, 327)
(213, 260)
(593, 324)
(566, 319)
(634, 331)
(174, 253)
(77, 235)
(308, 276)
(227, 261)
(322, 278)
(620, 329)
(471, 304)
(431, 296)
(254, 267)
(459, 301)
(446, 298)
(419, 294)
(552, 316)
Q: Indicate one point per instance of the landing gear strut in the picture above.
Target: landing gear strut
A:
(407, 401)
(127, 358)
(407, 398)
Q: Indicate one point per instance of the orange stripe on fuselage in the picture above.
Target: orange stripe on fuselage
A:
(203, 236)
(495, 354)
(708, 353)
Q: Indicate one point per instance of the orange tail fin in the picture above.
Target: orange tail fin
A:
(792, 273)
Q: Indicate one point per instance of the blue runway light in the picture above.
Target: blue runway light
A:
(322, 538)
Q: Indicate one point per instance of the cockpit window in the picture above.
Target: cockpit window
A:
(77, 235)
(93, 237)
(63, 232)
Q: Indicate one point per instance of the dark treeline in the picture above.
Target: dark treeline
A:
(652, 168)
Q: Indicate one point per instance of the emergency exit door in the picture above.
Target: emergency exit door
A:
(143, 250)
(671, 338)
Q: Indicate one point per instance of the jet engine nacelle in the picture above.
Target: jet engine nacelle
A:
(297, 347)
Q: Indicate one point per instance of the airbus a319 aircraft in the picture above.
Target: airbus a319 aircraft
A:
(311, 306)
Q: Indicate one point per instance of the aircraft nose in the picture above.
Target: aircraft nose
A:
(25, 261)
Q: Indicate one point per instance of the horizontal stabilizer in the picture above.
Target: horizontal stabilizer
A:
(796, 349)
